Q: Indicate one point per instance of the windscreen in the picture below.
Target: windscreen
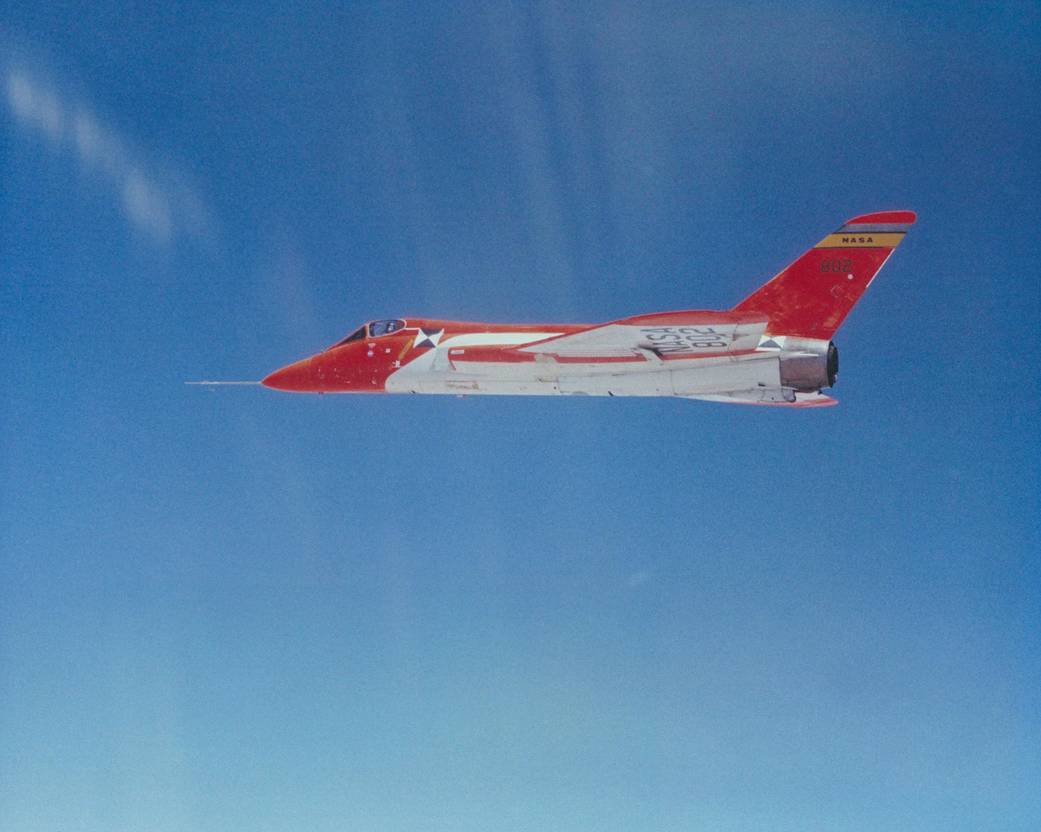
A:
(357, 335)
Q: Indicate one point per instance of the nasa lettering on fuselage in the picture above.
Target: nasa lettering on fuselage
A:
(858, 239)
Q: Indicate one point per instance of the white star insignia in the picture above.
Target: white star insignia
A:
(427, 338)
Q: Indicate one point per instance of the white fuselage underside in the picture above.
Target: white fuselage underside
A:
(437, 372)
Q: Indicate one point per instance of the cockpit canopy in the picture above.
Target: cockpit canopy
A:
(378, 328)
(373, 329)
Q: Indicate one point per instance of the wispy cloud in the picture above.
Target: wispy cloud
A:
(154, 202)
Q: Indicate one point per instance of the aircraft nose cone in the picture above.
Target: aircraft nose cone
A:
(294, 378)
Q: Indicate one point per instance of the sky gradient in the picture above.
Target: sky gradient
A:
(237, 608)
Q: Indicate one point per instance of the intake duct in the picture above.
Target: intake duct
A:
(808, 364)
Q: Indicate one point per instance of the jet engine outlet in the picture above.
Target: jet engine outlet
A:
(808, 366)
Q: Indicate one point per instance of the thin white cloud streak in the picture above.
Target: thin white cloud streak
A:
(156, 205)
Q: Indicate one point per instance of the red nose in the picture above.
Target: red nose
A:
(296, 378)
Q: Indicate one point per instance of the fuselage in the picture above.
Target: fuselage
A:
(365, 362)
(681, 354)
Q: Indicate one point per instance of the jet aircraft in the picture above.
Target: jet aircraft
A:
(773, 348)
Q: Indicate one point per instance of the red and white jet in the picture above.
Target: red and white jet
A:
(773, 348)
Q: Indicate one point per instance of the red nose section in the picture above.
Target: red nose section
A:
(294, 378)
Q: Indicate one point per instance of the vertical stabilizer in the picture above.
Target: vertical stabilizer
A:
(812, 297)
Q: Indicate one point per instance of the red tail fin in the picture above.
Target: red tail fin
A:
(812, 297)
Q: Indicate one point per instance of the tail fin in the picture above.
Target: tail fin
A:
(812, 297)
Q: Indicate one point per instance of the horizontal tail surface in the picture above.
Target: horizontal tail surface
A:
(812, 297)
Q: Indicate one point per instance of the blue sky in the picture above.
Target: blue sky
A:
(244, 609)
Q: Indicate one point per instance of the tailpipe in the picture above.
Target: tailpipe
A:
(809, 365)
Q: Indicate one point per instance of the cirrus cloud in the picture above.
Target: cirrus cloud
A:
(155, 203)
